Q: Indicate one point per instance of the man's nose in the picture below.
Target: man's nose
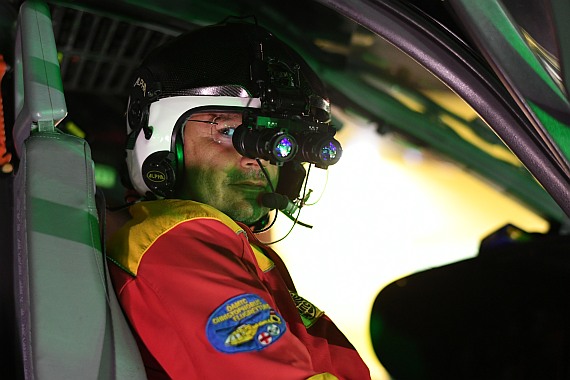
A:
(247, 162)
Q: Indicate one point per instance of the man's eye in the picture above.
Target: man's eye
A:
(227, 132)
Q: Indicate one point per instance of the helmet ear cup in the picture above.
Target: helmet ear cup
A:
(159, 173)
(178, 149)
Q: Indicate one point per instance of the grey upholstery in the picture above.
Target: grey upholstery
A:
(70, 325)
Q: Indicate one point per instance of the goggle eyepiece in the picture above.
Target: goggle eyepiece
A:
(279, 140)
(273, 145)
(320, 149)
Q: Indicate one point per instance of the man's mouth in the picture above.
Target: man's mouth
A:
(251, 185)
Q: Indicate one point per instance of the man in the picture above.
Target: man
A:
(206, 299)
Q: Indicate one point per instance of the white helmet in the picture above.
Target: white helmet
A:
(234, 66)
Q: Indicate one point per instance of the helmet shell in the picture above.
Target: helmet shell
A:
(227, 65)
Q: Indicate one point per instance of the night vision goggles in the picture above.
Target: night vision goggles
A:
(280, 140)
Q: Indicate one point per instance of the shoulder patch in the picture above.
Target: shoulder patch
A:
(244, 323)
(309, 313)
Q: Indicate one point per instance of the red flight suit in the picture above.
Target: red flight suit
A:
(207, 300)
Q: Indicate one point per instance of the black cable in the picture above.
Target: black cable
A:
(272, 190)
(123, 206)
(265, 174)
(269, 226)
(296, 221)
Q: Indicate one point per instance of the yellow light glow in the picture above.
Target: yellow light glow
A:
(74, 129)
(388, 211)
(498, 151)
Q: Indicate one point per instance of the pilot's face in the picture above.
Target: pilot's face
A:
(216, 174)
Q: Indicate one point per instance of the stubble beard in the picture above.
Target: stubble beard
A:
(218, 193)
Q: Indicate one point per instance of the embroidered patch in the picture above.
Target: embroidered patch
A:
(244, 323)
(309, 313)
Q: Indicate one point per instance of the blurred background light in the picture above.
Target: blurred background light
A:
(389, 210)
(105, 176)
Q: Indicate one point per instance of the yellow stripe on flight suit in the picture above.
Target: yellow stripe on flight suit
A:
(127, 247)
(323, 376)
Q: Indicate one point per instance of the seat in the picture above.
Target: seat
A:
(501, 315)
(69, 323)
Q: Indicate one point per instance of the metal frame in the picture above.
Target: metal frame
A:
(455, 64)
